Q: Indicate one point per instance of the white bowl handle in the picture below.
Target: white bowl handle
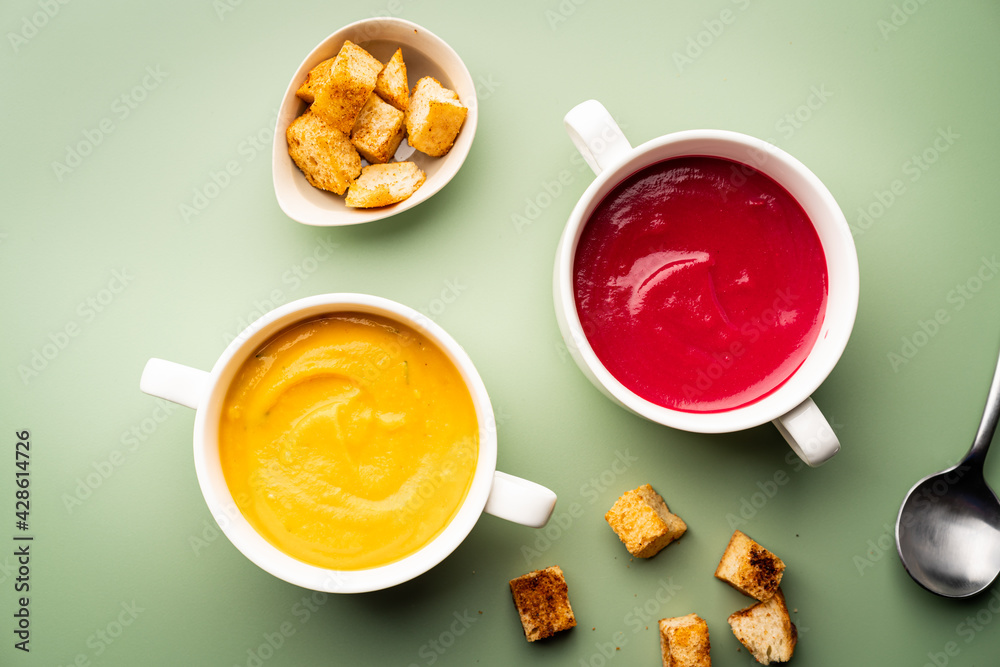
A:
(596, 135)
(809, 433)
(520, 501)
(174, 382)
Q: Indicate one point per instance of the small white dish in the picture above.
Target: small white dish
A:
(425, 54)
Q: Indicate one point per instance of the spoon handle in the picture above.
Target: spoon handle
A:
(991, 413)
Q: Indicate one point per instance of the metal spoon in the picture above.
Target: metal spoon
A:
(948, 528)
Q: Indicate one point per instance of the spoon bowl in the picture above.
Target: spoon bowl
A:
(948, 532)
(948, 528)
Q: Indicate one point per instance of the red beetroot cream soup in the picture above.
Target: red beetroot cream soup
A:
(700, 283)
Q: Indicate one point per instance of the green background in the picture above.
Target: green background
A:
(856, 90)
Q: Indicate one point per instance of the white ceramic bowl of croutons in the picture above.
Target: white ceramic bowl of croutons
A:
(425, 54)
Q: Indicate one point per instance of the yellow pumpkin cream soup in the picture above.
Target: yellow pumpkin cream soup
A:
(349, 440)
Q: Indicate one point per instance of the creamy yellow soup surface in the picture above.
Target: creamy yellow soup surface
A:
(349, 441)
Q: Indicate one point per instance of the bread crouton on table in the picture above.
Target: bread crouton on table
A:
(750, 568)
(323, 153)
(434, 117)
(766, 630)
(378, 130)
(352, 77)
(542, 601)
(384, 184)
(684, 642)
(391, 84)
(643, 522)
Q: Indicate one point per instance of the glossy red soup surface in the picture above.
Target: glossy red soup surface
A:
(701, 284)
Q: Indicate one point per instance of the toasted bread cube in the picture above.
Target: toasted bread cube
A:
(384, 184)
(434, 117)
(391, 84)
(766, 630)
(542, 600)
(318, 76)
(643, 522)
(323, 153)
(684, 642)
(352, 79)
(378, 130)
(750, 568)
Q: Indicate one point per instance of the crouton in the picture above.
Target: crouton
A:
(643, 522)
(378, 130)
(384, 184)
(750, 568)
(434, 117)
(317, 77)
(542, 601)
(323, 153)
(391, 84)
(766, 630)
(684, 642)
(352, 79)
